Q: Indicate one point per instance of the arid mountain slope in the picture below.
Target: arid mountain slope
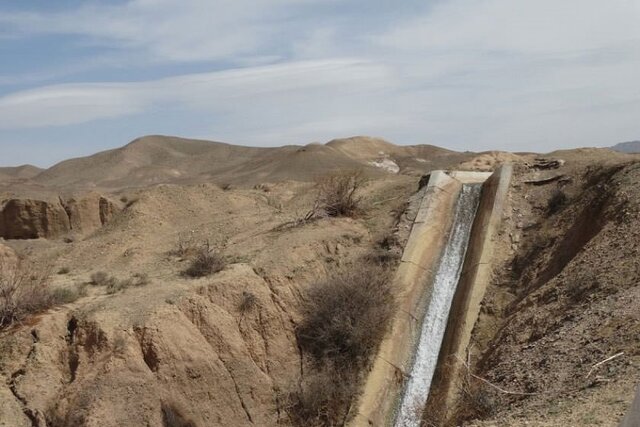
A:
(162, 159)
(19, 172)
(222, 350)
(627, 147)
(52, 203)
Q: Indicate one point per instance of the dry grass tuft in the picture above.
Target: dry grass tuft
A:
(206, 262)
(100, 278)
(185, 247)
(135, 281)
(69, 295)
(248, 302)
(114, 285)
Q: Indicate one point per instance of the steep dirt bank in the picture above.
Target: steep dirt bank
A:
(182, 345)
(101, 364)
(53, 216)
(565, 299)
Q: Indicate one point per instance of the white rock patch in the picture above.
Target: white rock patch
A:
(386, 164)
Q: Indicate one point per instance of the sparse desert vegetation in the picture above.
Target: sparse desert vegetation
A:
(113, 285)
(205, 261)
(24, 290)
(338, 193)
(283, 325)
(345, 317)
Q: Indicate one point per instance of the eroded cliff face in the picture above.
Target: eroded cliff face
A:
(201, 356)
(33, 219)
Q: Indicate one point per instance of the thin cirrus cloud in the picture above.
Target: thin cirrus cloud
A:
(187, 30)
(540, 27)
(222, 91)
(466, 74)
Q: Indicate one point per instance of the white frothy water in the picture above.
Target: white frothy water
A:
(435, 319)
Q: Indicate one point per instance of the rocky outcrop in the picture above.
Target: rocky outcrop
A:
(33, 219)
(88, 213)
(107, 210)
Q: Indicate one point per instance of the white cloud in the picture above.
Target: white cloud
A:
(520, 26)
(223, 92)
(183, 30)
(469, 74)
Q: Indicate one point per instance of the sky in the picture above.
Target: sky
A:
(77, 77)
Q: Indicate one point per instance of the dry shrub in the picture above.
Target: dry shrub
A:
(557, 202)
(478, 401)
(206, 262)
(137, 280)
(338, 193)
(186, 246)
(24, 290)
(346, 315)
(323, 399)
(69, 295)
(248, 302)
(100, 278)
(173, 417)
(114, 285)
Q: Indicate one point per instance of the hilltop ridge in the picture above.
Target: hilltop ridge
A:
(156, 159)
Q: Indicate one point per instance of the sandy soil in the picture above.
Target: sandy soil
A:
(565, 296)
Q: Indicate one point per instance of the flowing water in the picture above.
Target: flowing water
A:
(435, 319)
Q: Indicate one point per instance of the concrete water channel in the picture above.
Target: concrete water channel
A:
(435, 319)
(440, 283)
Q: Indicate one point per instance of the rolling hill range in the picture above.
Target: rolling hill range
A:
(162, 159)
(627, 147)
(19, 172)
(115, 329)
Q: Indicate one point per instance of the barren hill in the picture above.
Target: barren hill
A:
(131, 340)
(627, 147)
(164, 159)
(19, 172)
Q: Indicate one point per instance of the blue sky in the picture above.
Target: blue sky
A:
(77, 77)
